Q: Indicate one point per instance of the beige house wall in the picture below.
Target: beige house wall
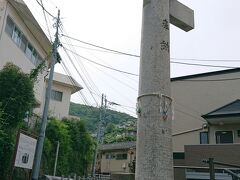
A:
(193, 99)
(188, 138)
(234, 128)
(60, 109)
(10, 52)
(113, 165)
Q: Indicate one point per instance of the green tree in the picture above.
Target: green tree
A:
(57, 131)
(16, 95)
(75, 150)
(16, 98)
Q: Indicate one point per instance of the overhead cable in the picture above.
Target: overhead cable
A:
(115, 51)
(45, 9)
(205, 65)
(100, 64)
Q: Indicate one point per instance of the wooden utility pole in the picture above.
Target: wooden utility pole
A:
(154, 138)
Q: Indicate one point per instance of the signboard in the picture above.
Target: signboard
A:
(25, 151)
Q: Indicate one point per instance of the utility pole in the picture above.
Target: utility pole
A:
(56, 160)
(40, 141)
(211, 169)
(99, 131)
(154, 159)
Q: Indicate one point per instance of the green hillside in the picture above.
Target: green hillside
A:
(91, 116)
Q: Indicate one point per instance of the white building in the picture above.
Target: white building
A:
(23, 42)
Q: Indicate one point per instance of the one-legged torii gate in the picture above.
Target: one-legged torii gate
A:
(154, 139)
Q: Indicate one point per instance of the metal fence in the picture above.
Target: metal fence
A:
(97, 177)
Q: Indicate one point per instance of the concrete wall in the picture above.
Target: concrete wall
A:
(10, 52)
(193, 99)
(234, 128)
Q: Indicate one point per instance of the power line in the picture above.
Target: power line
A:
(100, 64)
(205, 65)
(82, 67)
(45, 9)
(115, 51)
(81, 76)
(108, 50)
(45, 17)
(188, 114)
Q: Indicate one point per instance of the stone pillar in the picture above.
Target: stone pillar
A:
(154, 138)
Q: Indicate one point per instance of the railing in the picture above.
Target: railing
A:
(97, 177)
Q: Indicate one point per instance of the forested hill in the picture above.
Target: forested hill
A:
(91, 116)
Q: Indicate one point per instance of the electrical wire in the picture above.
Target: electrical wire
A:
(205, 65)
(45, 10)
(115, 51)
(81, 65)
(108, 50)
(100, 64)
(45, 17)
(69, 57)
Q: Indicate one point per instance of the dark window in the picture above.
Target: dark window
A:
(204, 138)
(9, 26)
(29, 51)
(238, 133)
(224, 137)
(23, 44)
(110, 156)
(16, 36)
(121, 156)
(56, 95)
(178, 155)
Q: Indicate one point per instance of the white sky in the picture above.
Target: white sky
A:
(116, 24)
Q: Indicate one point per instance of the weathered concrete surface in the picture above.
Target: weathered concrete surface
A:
(181, 16)
(154, 143)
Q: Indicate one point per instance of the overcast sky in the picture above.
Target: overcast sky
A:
(116, 24)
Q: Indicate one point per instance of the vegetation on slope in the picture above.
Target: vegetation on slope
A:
(118, 126)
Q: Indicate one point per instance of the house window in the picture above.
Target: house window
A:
(110, 156)
(224, 137)
(238, 133)
(56, 95)
(23, 44)
(9, 26)
(204, 138)
(121, 156)
(16, 36)
(29, 51)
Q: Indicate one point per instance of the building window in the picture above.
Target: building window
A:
(9, 26)
(21, 41)
(16, 36)
(224, 137)
(23, 44)
(110, 156)
(121, 156)
(56, 95)
(178, 155)
(204, 138)
(238, 133)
